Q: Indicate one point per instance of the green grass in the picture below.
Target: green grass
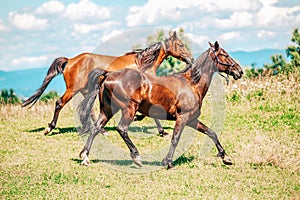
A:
(260, 133)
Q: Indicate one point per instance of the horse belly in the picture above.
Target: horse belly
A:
(156, 111)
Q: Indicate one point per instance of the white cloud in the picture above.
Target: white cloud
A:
(271, 16)
(229, 36)
(232, 5)
(2, 26)
(29, 60)
(27, 21)
(264, 33)
(157, 11)
(82, 28)
(80, 25)
(199, 39)
(111, 34)
(86, 10)
(237, 19)
(50, 7)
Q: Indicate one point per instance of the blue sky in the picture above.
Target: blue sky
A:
(34, 32)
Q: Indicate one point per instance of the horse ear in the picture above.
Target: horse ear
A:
(174, 34)
(217, 46)
(210, 44)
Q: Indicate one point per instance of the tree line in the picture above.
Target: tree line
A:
(279, 64)
(8, 96)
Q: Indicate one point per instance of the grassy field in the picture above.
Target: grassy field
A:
(261, 133)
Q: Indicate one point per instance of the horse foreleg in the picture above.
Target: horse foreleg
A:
(210, 133)
(139, 117)
(160, 129)
(58, 106)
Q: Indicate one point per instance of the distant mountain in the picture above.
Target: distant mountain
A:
(25, 82)
(259, 57)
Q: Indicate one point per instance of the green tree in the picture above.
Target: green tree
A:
(293, 51)
(279, 64)
(9, 97)
(50, 96)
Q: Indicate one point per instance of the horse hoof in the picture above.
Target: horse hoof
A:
(227, 160)
(105, 133)
(170, 166)
(47, 130)
(85, 162)
(163, 133)
(138, 161)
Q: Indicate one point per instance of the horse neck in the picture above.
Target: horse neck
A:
(151, 57)
(159, 59)
(207, 71)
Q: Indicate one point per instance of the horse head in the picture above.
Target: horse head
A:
(224, 62)
(175, 47)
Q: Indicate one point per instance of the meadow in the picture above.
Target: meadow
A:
(261, 133)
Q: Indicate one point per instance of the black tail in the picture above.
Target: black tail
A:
(86, 105)
(57, 67)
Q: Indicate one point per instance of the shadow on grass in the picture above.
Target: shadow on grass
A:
(118, 162)
(179, 161)
(183, 160)
(144, 129)
(56, 131)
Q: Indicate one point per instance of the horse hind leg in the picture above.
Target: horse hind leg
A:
(211, 134)
(58, 106)
(122, 128)
(179, 126)
(134, 153)
(104, 117)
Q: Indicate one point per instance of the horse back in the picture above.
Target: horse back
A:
(77, 69)
(125, 61)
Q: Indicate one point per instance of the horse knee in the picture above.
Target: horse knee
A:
(212, 135)
(58, 105)
(122, 130)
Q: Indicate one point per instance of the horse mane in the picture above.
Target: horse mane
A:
(147, 56)
(197, 66)
(135, 51)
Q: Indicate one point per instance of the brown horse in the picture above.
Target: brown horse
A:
(177, 97)
(75, 70)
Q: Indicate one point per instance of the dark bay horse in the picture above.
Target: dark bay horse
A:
(75, 70)
(176, 97)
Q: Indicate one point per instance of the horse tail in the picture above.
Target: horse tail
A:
(95, 80)
(56, 68)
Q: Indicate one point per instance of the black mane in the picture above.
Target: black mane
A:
(147, 56)
(197, 67)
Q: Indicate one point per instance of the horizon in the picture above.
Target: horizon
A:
(18, 79)
(233, 52)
